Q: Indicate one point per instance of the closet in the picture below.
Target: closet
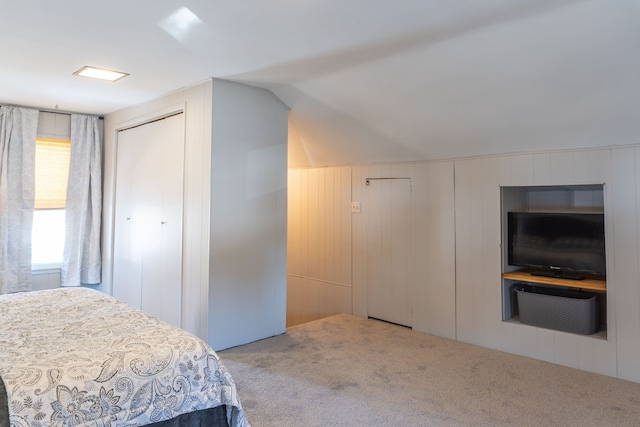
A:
(195, 228)
(147, 269)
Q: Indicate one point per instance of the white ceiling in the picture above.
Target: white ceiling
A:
(367, 80)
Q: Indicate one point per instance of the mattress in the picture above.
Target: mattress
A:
(77, 357)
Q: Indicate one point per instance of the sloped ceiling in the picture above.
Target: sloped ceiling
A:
(367, 81)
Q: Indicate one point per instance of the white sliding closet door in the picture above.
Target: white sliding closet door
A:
(147, 270)
(388, 228)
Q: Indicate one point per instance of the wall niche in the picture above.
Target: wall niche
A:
(538, 293)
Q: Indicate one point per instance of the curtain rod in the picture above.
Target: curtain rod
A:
(64, 113)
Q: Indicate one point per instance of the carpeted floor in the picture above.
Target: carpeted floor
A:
(349, 371)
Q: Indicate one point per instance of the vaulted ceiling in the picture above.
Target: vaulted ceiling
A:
(367, 80)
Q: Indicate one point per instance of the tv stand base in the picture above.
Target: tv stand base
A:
(559, 274)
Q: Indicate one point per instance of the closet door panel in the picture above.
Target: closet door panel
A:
(127, 267)
(149, 206)
(162, 273)
(150, 177)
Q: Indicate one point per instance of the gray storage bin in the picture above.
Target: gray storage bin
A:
(559, 309)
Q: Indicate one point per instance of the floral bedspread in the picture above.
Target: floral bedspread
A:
(77, 357)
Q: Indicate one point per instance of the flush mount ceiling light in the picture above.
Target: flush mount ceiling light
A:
(100, 73)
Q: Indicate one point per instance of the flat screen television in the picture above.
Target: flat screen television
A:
(557, 243)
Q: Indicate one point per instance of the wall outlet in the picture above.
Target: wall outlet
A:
(355, 207)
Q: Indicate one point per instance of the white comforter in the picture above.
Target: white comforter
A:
(75, 356)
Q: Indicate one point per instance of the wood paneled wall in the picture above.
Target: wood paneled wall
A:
(478, 256)
(434, 310)
(623, 258)
(432, 269)
(326, 254)
(319, 243)
(457, 266)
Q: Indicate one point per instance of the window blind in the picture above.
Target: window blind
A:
(52, 173)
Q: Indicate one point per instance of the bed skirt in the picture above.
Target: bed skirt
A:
(4, 406)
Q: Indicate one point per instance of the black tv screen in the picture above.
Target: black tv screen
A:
(557, 241)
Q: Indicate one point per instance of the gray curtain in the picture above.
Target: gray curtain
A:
(81, 261)
(18, 128)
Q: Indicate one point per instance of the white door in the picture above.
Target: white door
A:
(147, 271)
(387, 214)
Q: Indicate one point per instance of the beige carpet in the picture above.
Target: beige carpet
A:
(349, 371)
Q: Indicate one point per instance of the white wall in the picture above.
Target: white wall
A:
(48, 278)
(463, 300)
(248, 239)
(54, 125)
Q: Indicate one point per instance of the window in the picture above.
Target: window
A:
(51, 176)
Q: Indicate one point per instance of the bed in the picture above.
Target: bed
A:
(77, 357)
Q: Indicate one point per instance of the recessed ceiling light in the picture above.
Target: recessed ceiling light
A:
(100, 73)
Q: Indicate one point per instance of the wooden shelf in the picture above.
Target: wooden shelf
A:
(591, 282)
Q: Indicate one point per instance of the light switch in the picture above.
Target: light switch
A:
(355, 207)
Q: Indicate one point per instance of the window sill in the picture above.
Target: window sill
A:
(45, 268)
